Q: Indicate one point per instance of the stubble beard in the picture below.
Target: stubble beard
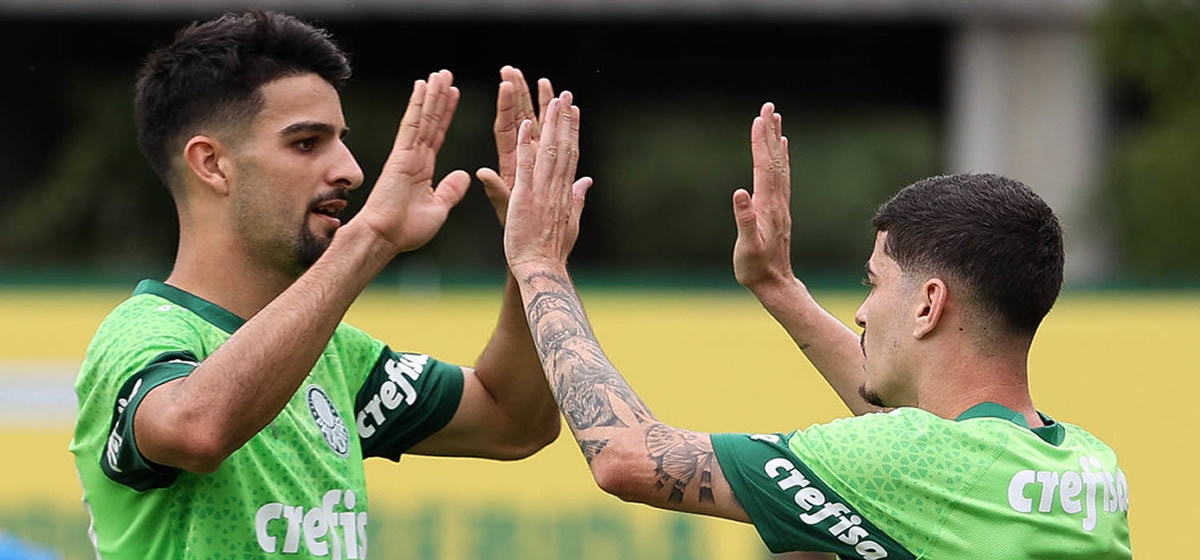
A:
(872, 397)
(310, 248)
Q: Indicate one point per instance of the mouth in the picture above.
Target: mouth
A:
(329, 210)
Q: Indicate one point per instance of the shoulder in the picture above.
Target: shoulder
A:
(907, 440)
(138, 329)
(1081, 440)
(355, 347)
(145, 317)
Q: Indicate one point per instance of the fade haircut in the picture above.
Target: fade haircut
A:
(211, 75)
(989, 232)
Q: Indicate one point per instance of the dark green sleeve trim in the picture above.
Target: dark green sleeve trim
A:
(121, 460)
(793, 509)
(405, 399)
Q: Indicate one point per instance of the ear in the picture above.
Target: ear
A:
(209, 163)
(931, 302)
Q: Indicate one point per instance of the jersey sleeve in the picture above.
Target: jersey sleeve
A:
(793, 508)
(122, 461)
(140, 346)
(404, 399)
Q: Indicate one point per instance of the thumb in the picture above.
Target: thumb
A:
(744, 215)
(579, 193)
(452, 187)
(493, 185)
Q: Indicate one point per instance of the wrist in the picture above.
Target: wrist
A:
(525, 268)
(361, 240)
(779, 291)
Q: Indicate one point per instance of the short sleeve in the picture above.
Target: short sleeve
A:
(405, 399)
(791, 507)
(121, 460)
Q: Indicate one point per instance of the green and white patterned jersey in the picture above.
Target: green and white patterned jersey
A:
(908, 484)
(297, 489)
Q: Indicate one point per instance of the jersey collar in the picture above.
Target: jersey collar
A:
(1052, 433)
(207, 310)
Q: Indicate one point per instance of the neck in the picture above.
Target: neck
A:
(965, 379)
(219, 269)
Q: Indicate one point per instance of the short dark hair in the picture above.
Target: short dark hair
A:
(990, 232)
(213, 71)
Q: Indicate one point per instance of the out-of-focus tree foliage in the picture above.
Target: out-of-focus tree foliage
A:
(1153, 49)
(98, 203)
(672, 173)
(662, 202)
(667, 110)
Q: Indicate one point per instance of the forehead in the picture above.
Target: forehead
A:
(880, 264)
(303, 98)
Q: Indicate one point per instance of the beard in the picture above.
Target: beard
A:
(309, 248)
(872, 397)
(293, 254)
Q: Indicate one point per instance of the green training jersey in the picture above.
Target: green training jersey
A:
(297, 489)
(908, 484)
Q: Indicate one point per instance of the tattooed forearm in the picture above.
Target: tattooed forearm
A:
(604, 413)
(591, 448)
(583, 381)
(680, 456)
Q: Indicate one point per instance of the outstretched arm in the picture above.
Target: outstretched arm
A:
(195, 422)
(506, 410)
(762, 263)
(630, 452)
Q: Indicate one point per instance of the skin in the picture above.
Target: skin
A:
(249, 201)
(918, 348)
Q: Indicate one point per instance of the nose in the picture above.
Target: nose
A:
(860, 316)
(346, 173)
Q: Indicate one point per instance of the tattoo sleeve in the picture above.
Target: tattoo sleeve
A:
(597, 401)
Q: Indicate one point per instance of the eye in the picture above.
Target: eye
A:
(306, 145)
(867, 282)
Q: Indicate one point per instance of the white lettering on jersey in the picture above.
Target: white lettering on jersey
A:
(325, 532)
(1069, 486)
(845, 524)
(113, 451)
(398, 388)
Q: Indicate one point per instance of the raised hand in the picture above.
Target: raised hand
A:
(514, 104)
(762, 253)
(404, 207)
(546, 202)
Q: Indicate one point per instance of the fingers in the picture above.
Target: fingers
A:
(522, 98)
(525, 156)
(548, 145)
(411, 121)
(441, 98)
(568, 141)
(545, 94)
(771, 167)
(507, 111)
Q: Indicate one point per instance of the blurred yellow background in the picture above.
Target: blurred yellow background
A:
(1116, 363)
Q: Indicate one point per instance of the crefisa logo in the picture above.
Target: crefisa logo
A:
(328, 420)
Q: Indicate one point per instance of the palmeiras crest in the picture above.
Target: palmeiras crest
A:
(328, 420)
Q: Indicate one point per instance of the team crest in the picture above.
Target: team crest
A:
(328, 420)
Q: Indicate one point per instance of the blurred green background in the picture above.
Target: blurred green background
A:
(871, 103)
(1094, 104)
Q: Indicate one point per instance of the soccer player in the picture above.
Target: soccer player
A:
(226, 412)
(963, 270)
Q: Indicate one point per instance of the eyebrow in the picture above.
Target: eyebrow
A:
(867, 267)
(313, 126)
